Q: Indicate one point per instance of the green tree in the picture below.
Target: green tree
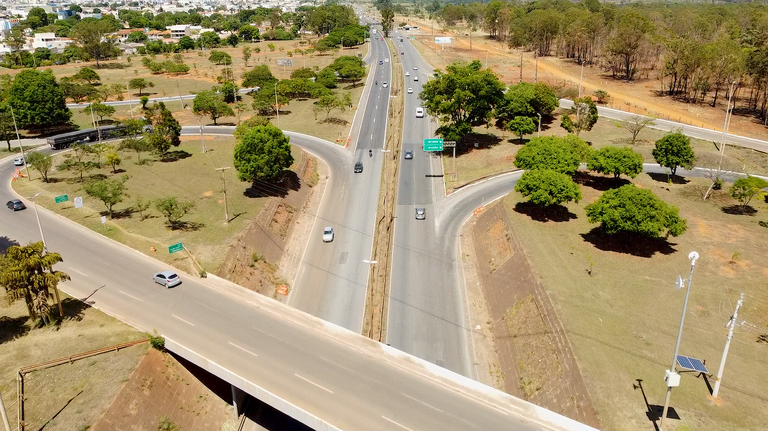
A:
(37, 17)
(139, 37)
(584, 112)
(109, 191)
(303, 73)
(631, 210)
(114, 160)
(546, 187)
(349, 67)
(186, 43)
(548, 152)
(101, 110)
(463, 96)
(259, 76)
(28, 273)
(40, 162)
(140, 84)
(745, 189)
(616, 161)
(37, 100)
(387, 20)
(674, 150)
(247, 54)
(88, 75)
(212, 104)
(7, 131)
(209, 39)
(233, 40)
(220, 57)
(262, 153)
(173, 210)
(527, 100)
(327, 78)
(521, 126)
(329, 103)
(138, 146)
(91, 36)
(76, 161)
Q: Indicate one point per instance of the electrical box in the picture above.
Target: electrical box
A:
(672, 379)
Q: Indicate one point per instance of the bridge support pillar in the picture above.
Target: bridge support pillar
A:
(239, 398)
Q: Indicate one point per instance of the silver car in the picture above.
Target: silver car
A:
(421, 214)
(167, 279)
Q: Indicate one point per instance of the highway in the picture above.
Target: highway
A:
(340, 378)
(426, 306)
(332, 279)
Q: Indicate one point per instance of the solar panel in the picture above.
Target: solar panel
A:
(692, 364)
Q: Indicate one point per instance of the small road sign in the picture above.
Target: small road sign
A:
(79, 202)
(60, 199)
(284, 62)
(176, 247)
(433, 144)
(449, 144)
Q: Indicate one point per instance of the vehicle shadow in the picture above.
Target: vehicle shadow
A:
(633, 244)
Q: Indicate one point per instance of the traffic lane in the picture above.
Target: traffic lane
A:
(423, 299)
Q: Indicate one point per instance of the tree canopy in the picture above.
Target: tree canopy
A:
(548, 152)
(37, 100)
(109, 191)
(582, 116)
(616, 161)
(527, 100)
(631, 210)
(463, 96)
(259, 76)
(212, 104)
(546, 187)
(262, 153)
(674, 150)
(745, 189)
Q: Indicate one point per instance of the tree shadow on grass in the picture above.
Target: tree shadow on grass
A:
(172, 156)
(556, 213)
(12, 328)
(599, 183)
(739, 210)
(634, 244)
(74, 309)
(279, 187)
(663, 178)
(475, 142)
(187, 226)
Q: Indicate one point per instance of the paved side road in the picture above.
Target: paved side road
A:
(136, 101)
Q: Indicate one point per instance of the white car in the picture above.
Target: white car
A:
(385, 85)
(407, 73)
(419, 112)
(415, 68)
(328, 234)
(410, 90)
(167, 279)
(19, 161)
(415, 78)
(386, 60)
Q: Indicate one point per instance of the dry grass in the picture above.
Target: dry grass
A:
(192, 177)
(91, 383)
(497, 149)
(622, 320)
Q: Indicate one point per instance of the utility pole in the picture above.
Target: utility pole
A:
(18, 139)
(673, 378)
(183, 105)
(224, 182)
(277, 107)
(581, 77)
(130, 105)
(39, 225)
(202, 141)
(730, 325)
(726, 125)
(536, 70)
(98, 130)
(5, 415)
(521, 65)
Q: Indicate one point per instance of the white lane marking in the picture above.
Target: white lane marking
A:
(242, 348)
(79, 272)
(200, 303)
(185, 321)
(374, 119)
(131, 296)
(400, 425)
(377, 106)
(421, 402)
(311, 382)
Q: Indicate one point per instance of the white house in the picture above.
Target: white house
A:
(179, 31)
(50, 41)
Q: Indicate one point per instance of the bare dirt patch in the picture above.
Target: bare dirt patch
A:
(496, 240)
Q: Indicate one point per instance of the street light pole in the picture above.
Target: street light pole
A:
(693, 256)
(37, 216)
(18, 139)
(581, 77)
(202, 140)
(224, 182)
(130, 105)
(726, 125)
(277, 107)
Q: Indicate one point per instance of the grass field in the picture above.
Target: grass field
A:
(192, 177)
(81, 390)
(622, 320)
(497, 149)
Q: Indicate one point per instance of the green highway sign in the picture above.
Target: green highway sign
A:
(176, 247)
(433, 144)
(62, 198)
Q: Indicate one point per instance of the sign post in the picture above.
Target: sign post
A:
(433, 144)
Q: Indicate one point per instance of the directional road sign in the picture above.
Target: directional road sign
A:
(60, 199)
(176, 247)
(433, 144)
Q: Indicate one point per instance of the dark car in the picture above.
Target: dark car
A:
(358, 167)
(408, 154)
(16, 205)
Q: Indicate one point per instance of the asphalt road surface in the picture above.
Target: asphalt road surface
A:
(332, 280)
(137, 102)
